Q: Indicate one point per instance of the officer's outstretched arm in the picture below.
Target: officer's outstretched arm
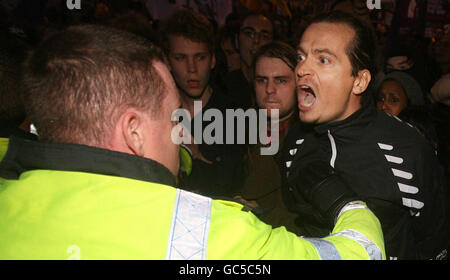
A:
(356, 230)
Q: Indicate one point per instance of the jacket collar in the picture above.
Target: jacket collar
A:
(8, 128)
(351, 126)
(24, 155)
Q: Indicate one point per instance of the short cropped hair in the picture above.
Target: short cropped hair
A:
(79, 81)
(362, 50)
(191, 25)
(276, 49)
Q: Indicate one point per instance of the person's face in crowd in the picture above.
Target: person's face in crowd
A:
(168, 151)
(391, 97)
(275, 86)
(191, 64)
(326, 89)
(256, 31)
(232, 55)
(399, 63)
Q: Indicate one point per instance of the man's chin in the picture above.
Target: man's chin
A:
(308, 118)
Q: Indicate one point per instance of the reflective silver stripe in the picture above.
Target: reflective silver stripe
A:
(371, 248)
(407, 188)
(325, 248)
(349, 206)
(333, 149)
(412, 203)
(393, 159)
(385, 147)
(402, 174)
(188, 237)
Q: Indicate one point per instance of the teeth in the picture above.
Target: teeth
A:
(304, 87)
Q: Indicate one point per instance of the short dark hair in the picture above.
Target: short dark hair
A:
(256, 14)
(276, 49)
(362, 50)
(192, 25)
(13, 53)
(80, 80)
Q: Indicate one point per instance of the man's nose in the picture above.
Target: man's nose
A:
(270, 87)
(302, 69)
(192, 65)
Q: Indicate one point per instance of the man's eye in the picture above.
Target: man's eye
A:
(260, 80)
(395, 99)
(300, 57)
(266, 37)
(249, 33)
(179, 57)
(281, 81)
(324, 60)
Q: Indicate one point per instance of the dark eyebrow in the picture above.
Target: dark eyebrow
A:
(254, 30)
(316, 51)
(327, 51)
(283, 77)
(248, 27)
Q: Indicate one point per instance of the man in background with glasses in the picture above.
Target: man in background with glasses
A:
(256, 30)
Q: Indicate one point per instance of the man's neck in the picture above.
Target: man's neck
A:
(188, 102)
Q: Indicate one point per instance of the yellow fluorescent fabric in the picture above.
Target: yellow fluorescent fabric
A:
(75, 215)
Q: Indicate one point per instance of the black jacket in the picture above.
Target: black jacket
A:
(224, 177)
(390, 166)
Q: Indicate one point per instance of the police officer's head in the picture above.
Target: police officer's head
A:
(102, 87)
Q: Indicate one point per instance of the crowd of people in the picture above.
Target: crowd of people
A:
(363, 123)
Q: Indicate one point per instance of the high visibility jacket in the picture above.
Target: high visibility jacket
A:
(87, 211)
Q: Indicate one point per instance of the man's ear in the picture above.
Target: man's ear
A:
(361, 82)
(132, 130)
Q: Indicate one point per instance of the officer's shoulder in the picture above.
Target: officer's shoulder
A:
(228, 203)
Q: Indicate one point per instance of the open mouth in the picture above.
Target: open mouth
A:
(306, 96)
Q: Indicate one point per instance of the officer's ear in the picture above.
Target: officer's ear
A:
(132, 124)
(361, 82)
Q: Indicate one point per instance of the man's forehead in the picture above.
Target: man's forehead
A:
(324, 35)
(257, 22)
(277, 67)
(182, 44)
